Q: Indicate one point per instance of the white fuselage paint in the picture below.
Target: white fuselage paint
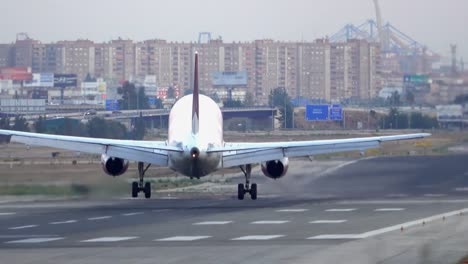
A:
(210, 134)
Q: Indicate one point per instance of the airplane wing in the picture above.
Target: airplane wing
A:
(236, 154)
(154, 152)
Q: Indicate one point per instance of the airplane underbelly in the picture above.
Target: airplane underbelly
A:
(199, 167)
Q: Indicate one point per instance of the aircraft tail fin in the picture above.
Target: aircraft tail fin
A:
(195, 101)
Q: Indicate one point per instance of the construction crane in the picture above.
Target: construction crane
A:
(383, 36)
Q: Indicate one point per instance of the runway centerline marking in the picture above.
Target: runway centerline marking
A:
(7, 213)
(22, 227)
(134, 213)
(213, 223)
(292, 210)
(341, 210)
(328, 221)
(260, 237)
(389, 209)
(108, 239)
(182, 238)
(380, 231)
(270, 222)
(99, 218)
(63, 222)
(36, 240)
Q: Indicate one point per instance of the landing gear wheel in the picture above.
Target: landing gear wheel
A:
(147, 190)
(253, 191)
(135, 189)
(240, 191)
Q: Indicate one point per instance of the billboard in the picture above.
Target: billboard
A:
(15, 73)
(336, 112)
(65, 80)
(417, 79)
(40, 80)
(238, 78)
(449, 113)
(316, 112)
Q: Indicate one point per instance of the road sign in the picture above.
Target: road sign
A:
(316, 112)
(112, 105)
(336, 112)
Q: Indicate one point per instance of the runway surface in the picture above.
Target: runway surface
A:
(386, 210)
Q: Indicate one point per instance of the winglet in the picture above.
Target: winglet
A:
(195, 102)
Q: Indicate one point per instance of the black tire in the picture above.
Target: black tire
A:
(240, 191)
(134, 189)
(253, 191)
(147, 190)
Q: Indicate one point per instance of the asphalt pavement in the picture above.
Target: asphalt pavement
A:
(374, 210)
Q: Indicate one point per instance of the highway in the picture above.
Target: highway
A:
(375, 210)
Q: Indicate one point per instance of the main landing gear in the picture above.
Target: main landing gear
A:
(141, 186)
(247, 188)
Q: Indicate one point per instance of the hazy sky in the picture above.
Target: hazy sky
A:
(436, 23)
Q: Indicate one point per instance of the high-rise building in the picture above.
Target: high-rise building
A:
(6, 55)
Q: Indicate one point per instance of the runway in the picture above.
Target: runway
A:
(386, 210)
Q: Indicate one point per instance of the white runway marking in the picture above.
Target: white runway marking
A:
(291, 210)
(182, 238)
(337, 236)
(391, 228)
(135, 213)
(213, 223)
(341, 210)
(7, 213)
(108, 239)
(389, 209)
(99, 218)
(269, 222)
(63, 222)
(257, 237)
(434, 195)
(22, 227)
(327, 221)
(36, 240)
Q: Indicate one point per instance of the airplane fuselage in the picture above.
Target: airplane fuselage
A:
(194, 161)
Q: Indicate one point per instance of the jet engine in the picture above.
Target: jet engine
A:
(275, 169)
(113, 166)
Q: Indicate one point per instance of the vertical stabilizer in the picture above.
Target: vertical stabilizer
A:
(195, 101)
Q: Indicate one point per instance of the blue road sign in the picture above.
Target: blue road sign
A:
(336, 112)
(316, 112)
(112, 105)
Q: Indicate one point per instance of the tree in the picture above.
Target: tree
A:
(5, 123)
(170, 92)
(410, 97)
(100, 128)
(39, 125)
(280, 98)
(20, 124)
(142, 100)
(139, 129)
(249, 99)
(394, 99)
(233, 103)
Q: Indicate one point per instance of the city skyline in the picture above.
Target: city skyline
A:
(51, 20)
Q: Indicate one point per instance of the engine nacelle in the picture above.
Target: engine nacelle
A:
(114, 166)
(275, 169)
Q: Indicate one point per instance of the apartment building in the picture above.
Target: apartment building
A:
(317, 70)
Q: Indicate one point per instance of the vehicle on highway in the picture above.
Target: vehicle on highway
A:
(195, 146)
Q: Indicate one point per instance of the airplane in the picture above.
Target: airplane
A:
(195, 146)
